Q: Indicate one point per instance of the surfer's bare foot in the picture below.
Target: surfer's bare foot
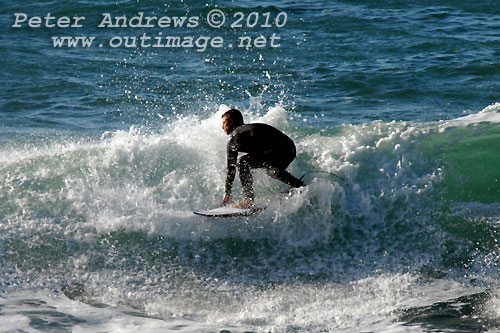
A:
(227, 200)
(245, 203)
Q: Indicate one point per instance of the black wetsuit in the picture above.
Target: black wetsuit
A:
(266, 147)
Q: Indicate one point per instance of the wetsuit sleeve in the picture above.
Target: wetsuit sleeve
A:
(232, 157)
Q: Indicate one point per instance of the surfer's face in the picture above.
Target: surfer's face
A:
(227, 125)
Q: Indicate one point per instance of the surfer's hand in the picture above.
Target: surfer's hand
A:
(227, 199)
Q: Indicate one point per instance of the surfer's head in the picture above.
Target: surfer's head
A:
(231, 119)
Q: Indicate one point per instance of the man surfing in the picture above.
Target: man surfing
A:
(266, 148)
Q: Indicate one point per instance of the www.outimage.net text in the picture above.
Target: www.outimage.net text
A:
(215, 19)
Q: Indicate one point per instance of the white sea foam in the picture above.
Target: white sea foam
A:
(332, 256)
(42, 310)
(490, 114)
(373, 303)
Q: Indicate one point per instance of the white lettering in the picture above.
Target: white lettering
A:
(87, 41)
(248, 39)
(158, 41)
(141, 21)
(164, 22)
(143, 39)
(273, 38)
(173, 41)
(20, 18)
(35, 22)
(115, 41)
(130, 41)
(77, 19)
(123, 19)
(58, 41)
(49, 21)
(217, 42)
(72, 41)
(202, 46)
(63, 22)
(132, 23)
(188, 42)
(179, 21)
(260, 42)
(48, 18)
(193, 21)
(106, 21)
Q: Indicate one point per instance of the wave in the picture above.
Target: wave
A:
(112, 213)
(133, 174)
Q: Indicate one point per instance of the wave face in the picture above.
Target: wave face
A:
(110, 221)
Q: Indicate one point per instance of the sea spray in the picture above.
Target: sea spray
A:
(114, 216)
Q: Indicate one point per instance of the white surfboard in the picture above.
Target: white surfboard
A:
(228, 211)
(262, 203)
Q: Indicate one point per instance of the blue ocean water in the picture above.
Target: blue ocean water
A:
(106, 150)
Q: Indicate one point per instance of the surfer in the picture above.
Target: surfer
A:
(266, 148)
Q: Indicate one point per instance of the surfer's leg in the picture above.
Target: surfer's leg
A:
(285, 176)
(277, 164)
(244, 164)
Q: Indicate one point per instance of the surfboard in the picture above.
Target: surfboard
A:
(261, 204)
(228, 211)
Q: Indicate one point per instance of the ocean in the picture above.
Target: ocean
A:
(110, 137)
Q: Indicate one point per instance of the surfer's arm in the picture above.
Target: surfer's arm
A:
(232, 156)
